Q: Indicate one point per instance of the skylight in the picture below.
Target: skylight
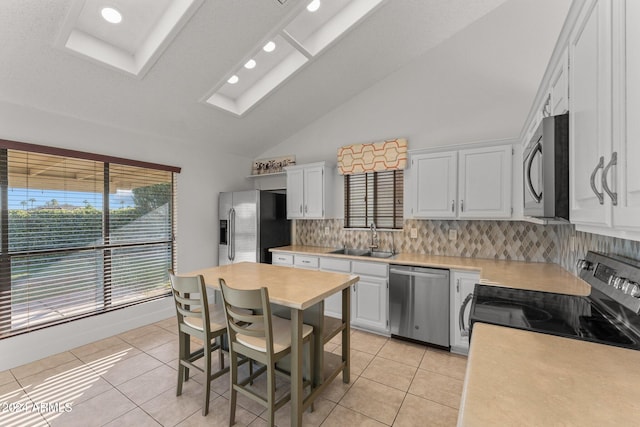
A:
(129, 38)
(306, 35)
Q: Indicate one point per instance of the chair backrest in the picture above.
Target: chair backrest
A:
(190, 296)
(248, 312)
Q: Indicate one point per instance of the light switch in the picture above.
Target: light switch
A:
(414, 233)
(453, 234)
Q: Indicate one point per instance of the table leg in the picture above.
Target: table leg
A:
(346, 334)
(296, 367)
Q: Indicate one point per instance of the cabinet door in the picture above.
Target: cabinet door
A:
(434, 178)
(295, 192)
(484, 185)
(626, 176)
(333, 303)
(559, 91)
(590, 113)
(314, 192)
(462, 285)
(369, 308)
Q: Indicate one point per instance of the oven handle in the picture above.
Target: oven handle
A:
(464, 332)
(529, 162)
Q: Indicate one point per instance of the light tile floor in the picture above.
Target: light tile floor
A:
(130, 380)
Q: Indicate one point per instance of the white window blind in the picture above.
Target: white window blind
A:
(80, 236)
(376, 197)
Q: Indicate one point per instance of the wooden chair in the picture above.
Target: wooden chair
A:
(197, 319)
(261, 337)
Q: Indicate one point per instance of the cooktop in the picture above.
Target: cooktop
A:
(609, 315)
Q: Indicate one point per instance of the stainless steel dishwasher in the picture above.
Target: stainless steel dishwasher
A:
(419, 304)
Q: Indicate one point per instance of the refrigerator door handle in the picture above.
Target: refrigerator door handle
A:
(232, 234)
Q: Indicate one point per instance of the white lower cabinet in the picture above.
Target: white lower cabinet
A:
(462, 285)
(370, 301)
(333, 304)
(279, 258)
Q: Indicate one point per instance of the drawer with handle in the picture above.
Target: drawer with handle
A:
(305, 261)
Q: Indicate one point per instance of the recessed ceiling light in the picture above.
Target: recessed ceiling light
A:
(313, 6)
(111, 15)
(233, 79)
(250, 64)
(269, 47)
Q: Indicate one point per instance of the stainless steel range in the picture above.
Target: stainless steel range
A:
(609, 315)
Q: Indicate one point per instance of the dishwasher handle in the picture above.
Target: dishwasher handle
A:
(417, 274)
(464, 332)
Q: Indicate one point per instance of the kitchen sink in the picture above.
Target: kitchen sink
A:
(362, 252)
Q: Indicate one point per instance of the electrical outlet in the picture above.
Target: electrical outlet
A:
(414, 233)
(326, 230)
(453, 234)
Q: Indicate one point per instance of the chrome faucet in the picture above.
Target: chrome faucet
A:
(374, 236)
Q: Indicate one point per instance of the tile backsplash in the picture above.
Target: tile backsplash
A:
(507, 240)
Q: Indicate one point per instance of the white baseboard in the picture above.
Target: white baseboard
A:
(32, 346)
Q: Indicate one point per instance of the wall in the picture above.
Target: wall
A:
(204, 174)
(472, 87)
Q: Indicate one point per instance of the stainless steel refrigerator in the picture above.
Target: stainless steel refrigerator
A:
(251, 222)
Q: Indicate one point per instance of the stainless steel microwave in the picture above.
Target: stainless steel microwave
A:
(546, 170)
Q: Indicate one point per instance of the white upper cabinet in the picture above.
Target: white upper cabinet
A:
(307, 187)
(484, 185)
(435, 185)
(604, 107)
(590, 113)
(471, 183)
(626, 113)
(559, 88)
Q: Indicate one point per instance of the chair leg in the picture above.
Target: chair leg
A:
(311, 371)
(271, 395)
(181, 367)
(207, 379)
(233, 373)
(220, 342)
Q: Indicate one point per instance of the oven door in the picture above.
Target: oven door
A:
(533, 178)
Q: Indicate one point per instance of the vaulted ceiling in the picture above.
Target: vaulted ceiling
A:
(167, 98)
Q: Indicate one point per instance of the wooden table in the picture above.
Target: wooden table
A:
(301, 294)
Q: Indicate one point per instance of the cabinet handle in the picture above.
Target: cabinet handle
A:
(592, 180)
(458, 285)
(461, 205)
(605, 186)
(306, 209)
(453, 206)
(300, 208)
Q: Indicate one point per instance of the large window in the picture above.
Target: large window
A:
(375, 197)
(80, 234)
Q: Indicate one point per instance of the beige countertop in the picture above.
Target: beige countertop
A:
(291, 288)
(516, 274)
(523, 378)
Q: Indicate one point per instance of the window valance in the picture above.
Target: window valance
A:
(373, 157)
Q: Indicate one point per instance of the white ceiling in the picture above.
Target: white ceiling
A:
(215, 41)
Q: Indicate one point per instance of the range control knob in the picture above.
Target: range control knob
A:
(615, 281)
(633, 289)
(583, 264)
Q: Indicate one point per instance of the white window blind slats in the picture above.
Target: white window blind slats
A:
(80, 237)
(374, 197)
